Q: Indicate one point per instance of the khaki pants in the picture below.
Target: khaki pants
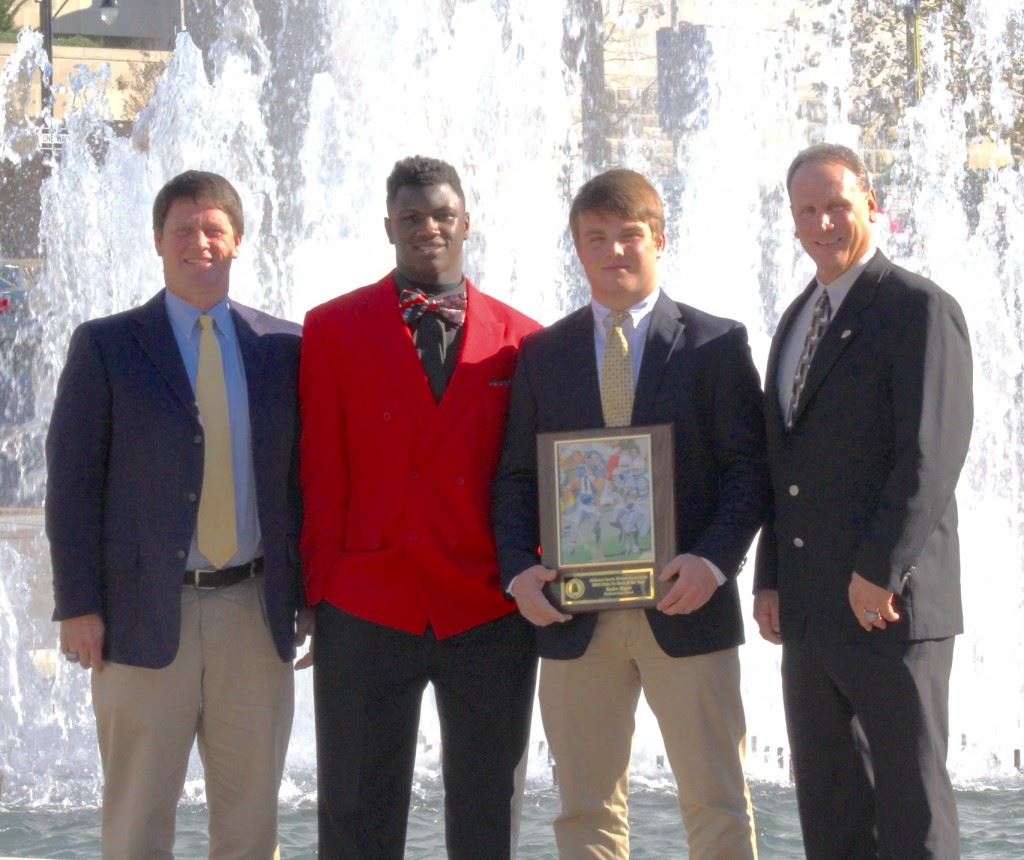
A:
(588, 706)
(228, 688)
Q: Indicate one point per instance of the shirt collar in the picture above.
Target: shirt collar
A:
(185, 317)
(637, 312)
(840, 287)
(432, 290)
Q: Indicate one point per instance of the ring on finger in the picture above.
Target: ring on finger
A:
(71, 656)
(871, 615)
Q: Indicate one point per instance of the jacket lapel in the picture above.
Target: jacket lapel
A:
(583, 397)
(482, 332)
(774, 414)
(389, 345)
(156, 339)
(253, 349)
(666, 334)
(842, 330)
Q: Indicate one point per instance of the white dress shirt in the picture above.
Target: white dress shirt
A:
(793, 348)
(635, 331)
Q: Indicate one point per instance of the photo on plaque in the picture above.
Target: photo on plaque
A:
(604, 500)
(607, 521)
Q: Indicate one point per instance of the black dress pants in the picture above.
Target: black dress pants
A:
(868, 725)
(368, 684)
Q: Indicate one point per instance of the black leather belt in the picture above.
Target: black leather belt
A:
(207, 578)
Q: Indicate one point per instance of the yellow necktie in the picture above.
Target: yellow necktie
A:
(617, 375)
(217, 528)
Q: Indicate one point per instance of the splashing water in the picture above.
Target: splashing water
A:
(307, 121)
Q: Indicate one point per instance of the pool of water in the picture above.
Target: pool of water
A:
(992, 827)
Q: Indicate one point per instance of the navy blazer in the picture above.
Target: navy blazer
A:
(125, 464)
(696, 374)
(865, 479)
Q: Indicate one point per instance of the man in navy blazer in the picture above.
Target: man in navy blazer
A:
(869, 412)
(184, 642)
(693, 371)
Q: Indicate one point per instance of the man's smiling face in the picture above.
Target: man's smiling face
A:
(833, 214)
(197, 244)
(427, 225)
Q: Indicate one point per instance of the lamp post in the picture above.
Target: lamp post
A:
(46, 28)
(108, 13)
(913, 22)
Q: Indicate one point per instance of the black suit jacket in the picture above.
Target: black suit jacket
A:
(864, 481)
(696, 374)
(125, 465)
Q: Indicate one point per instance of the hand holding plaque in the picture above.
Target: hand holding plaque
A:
(607, 516)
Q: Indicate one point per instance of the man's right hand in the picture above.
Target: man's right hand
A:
(83, 635)
(528, 591)
(766, 614)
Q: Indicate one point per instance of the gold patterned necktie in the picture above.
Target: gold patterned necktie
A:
(617, 375)
(820, 317)
(216, 528)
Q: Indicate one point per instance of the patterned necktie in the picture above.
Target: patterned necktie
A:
(216, 527)
(819, 322)
(617, 375)
(415, 303)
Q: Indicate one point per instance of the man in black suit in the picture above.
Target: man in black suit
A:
(173, 514)
(682, 367)
(869, 413)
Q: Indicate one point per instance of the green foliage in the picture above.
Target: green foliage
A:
(76, 41)
(7, 10)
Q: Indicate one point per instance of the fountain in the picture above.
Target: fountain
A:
(305, 107)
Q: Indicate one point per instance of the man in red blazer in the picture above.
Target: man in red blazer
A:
(404, 387)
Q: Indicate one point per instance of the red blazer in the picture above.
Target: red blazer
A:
(396, 487)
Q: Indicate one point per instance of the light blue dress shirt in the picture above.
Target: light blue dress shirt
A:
(185, 325)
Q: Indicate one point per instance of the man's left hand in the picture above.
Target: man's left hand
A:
(694, 585)
(872, 605)
(305, 625)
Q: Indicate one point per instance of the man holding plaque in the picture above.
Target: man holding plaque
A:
(404, 388)
(869, 412)
(634, 357)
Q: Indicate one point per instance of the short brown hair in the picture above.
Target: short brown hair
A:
(196, 185)
(830, 153)
(623, 193)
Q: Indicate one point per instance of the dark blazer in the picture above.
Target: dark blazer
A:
(125, 464)
(864, 480)
(696, 374)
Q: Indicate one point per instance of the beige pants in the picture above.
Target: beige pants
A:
(228, 688)
(588, 707)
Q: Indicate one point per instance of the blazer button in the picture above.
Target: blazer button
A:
(794, 490)
(460, 481)
(414, 475)
(414, 536)
(181, 553)
(798, 543)
(386, 416)
(192, 497)
(198, 438)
